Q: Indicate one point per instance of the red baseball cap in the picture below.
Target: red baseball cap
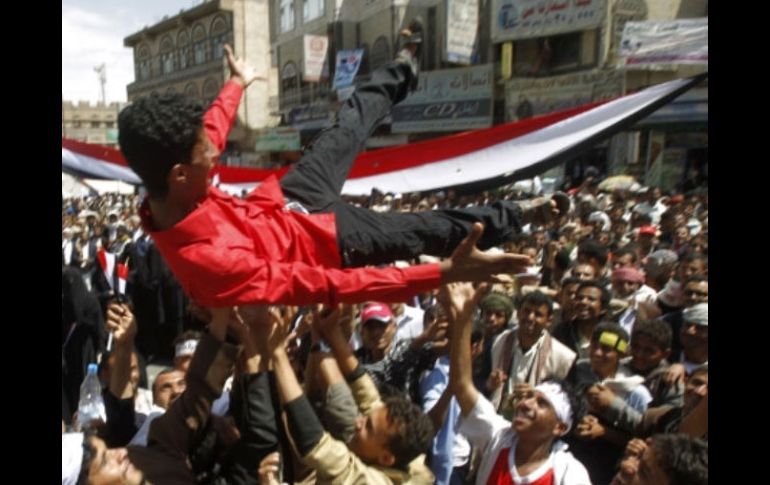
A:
(376, 311)
(648, 230)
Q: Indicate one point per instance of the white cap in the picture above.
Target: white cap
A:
(559, 400)
(185, 348)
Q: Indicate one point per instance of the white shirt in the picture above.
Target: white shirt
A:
(66, 246)
(489, 432)
(409, 323)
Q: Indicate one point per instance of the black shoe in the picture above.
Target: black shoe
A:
(411, 40)
(413, 35)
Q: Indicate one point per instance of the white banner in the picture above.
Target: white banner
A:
(315, 57)
(648, 43)
(462, 26)
(346, 68)
(525, 19)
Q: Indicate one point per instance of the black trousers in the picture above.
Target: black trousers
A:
(366, 237)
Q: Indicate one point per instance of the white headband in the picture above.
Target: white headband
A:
(559, 400)
(71, 457)
(186, 348)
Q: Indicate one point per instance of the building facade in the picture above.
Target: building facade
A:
(488, 62)
(91, 123)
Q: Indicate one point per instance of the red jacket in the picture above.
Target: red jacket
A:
(230, 251)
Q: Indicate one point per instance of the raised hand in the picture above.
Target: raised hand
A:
(240, 70)
(268, 469)
(121, 322)
(599, 397)
(468, 263)
(496, 379)
(589, 428)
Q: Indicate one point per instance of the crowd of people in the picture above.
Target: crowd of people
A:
(587, 364)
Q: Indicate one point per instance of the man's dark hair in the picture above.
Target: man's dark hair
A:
(157, 132)
(644, 219)
(434, 311)
(697, 278)
(89, 453)
(529, 242)
(537, 299)
(562, 260)
(668, 214)
(656, 330)
(690, 257)
(413, 431)
(684, 460)
(570, 280)
(595, 284)
(593, 250)
(620, 252)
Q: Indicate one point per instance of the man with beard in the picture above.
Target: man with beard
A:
(591, 304)
(528, 353)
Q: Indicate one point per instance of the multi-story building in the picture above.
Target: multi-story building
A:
(483, 65)
(91, 123)
(572, 56)
(184, 53)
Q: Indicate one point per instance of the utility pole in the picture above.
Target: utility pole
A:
(101, 72)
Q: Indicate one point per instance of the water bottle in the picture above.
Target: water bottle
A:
(91, 404)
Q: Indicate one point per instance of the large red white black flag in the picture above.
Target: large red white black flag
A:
(482, 158)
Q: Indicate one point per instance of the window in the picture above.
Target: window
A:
(286, 12)
(185, 53)
(109, 124)
(191, 90)
(167, 55)
(289, 82)
(219, 37)
(143, 65)
(95, 124)
(312, 9)
(199, 44)
(556, 54)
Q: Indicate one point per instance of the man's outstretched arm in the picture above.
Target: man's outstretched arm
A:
(460, 299)
(222, 276)
(220, 116)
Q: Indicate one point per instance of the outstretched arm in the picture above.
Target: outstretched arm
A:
(220, 116)
(460, 299)
(468, 263)
(219, 276)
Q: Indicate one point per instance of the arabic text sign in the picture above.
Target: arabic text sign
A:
(315, 57)
(307, 117)
(524, 19)
(277, 141)
(531, 97)
(447, 100)
(683, 41)
(346, 68)
(462, 25)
